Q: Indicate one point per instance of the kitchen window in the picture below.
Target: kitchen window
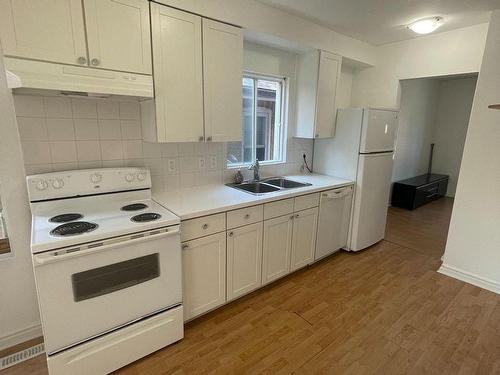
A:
(263, 106)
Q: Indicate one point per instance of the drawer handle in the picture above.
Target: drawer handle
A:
(185, 246)
(205, 226)
(247, 216)
(297, 216)
(230, 234)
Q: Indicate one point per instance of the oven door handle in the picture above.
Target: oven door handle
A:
(52, 257)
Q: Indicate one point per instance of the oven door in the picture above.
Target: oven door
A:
(86, 291)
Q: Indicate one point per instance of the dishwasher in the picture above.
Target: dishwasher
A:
(333, 224)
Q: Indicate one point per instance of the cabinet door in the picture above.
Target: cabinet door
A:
(277, 248)
(50, 30)
(222, 74)
(304, 238)
(244, 260)
(118, 34)
(177, 65)
(328, 81)
(203, 274)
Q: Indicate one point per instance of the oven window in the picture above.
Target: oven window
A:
(108, 279)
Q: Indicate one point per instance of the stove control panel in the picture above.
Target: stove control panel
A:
(86, 182)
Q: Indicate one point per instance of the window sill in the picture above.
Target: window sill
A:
(262, 164)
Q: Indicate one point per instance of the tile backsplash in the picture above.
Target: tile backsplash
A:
(60, 133)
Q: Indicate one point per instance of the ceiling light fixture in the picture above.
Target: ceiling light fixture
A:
(426, 25)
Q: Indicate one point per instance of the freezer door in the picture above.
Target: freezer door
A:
(371, 200)
(379, 130)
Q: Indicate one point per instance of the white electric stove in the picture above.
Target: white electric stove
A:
(107, 263)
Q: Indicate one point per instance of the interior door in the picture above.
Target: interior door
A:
(222, 76)
(372, 200)
(177, 63)
(326, 107)
(118, 34)
(50, 30)
(379, 130)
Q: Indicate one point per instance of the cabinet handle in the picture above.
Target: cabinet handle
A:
(82, 60)
(209, 139)
(297, 216)
(205, 226)
(230, 234)
(247, 216)
(95, 62)
(291, 217)
(184, 246)
(200, 138)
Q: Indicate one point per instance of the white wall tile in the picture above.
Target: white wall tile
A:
(189, 180)
(171, 182)
(130, 111)
(169, 150)
(57, 107)
(151, 150)
(36, 152)
(131, 129)
(186, 149)
(110, 129)
(88, 151)
(133, 162)
(60, 129)
(37, 168)
(111, 150)
(156, 166)
(113, 163)
(86, 129)
(32, 128)
(63, 151)
(84, 108)
(188, 164)
(89, 164)
(29, 106)
(216, 148)
(56, 167)
(108, 110)
(132, 149)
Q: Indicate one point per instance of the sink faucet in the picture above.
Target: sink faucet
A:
(256, 169)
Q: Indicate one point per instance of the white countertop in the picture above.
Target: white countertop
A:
(206, 200)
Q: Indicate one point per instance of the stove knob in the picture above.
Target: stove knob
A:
(96, 177)
(141, 176)
(57, 183)
(129, 177)
(42, 185)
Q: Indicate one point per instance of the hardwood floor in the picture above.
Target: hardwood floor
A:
(384, 310)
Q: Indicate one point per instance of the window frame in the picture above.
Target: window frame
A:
(282, 124)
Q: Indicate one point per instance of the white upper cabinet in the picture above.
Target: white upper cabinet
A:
(51, 30)
(118, 34)
(178, 78)
(318, 78)
(222, 74)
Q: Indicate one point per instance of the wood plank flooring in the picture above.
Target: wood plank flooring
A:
(384, 310)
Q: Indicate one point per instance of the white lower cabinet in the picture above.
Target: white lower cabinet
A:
(277, 248)
(305, 225)
(204, 274)
(244, 260)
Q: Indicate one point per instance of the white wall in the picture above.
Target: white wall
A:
(416, 127)
(472, 251)
(345, 87)
(19, 318)
(255, 16)
(450, 126)
(453, 52)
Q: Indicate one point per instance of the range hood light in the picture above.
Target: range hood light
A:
(426, 25)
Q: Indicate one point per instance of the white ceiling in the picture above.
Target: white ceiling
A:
(384, 21)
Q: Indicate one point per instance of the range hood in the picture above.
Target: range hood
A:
(29, 74)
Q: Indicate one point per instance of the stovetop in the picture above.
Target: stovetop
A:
(57, 224)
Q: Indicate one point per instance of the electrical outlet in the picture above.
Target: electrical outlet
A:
(172, 165)
(202, 163)
(213, 162)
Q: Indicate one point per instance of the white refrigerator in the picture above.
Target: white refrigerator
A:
(362, 150)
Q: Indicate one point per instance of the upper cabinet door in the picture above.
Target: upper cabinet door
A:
(328, 81)
(51, 30)
(223, 71)
(177, 63)
(118, 34)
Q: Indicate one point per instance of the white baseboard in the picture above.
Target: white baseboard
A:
(20, 336)
(470, 278)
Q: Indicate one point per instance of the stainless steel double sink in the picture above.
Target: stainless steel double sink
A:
(268, 185)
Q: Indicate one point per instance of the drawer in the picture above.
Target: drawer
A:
(306, 201)
(244, 216)
(203, 226)
(279, 208)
